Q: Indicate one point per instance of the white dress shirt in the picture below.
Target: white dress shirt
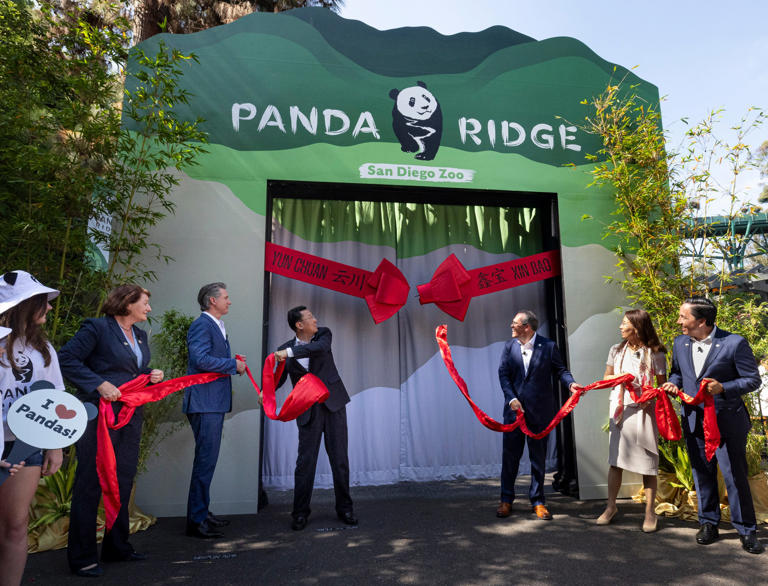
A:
(700, 350)
(219, 323)
(526, 351)
(303, 361)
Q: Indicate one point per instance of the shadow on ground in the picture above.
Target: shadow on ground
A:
(427, 533)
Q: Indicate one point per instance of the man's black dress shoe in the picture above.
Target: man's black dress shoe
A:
(202, 531)
(214, 521)
(299, 523)
(751, 544)
(134, 556)
(348, 518)
(707, 534)
(94, 572)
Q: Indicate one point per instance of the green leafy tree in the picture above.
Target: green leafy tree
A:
(135, 191)
(762, 161)
(169, 355)
(657, 194)
(189, 16)
(59, 129)
(68, 159)
(649, 229)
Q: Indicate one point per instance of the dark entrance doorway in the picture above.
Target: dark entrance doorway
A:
(406, 420)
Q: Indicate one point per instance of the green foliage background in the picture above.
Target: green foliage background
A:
(657, 193)
(66, 158)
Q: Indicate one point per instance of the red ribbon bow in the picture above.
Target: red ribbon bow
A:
(385, 290)
(452, 286)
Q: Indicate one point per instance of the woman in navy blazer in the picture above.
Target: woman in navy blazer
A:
(104, 354)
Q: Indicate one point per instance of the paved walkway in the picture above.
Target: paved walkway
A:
(427, 533)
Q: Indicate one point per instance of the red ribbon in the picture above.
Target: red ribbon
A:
(441, 335)
(711, 429)
(666, 418)
(385, 290)
(133, 394)
(452, 286)
(308, 391)
(669, 424)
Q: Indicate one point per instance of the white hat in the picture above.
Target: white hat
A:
(4, 332)
(18, 286)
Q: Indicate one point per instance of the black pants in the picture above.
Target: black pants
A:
(334, 427)
(81, 547)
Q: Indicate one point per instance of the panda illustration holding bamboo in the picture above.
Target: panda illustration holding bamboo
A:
(417, 120)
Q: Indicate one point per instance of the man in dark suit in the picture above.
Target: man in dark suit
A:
(310, 351)
(206, 404)
(726, 362)
(528, 364)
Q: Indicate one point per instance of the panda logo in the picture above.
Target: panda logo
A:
(417, 120)
(24, 369)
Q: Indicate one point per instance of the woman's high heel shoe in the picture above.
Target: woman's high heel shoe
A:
(651, 527)
(606, 517)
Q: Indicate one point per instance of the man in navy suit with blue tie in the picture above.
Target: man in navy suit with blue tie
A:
(726, 362)
(528, 365)
(206, 404)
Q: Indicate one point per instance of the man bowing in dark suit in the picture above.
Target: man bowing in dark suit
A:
(726, 362)
(528, 364)
(205, 404)
(310, 351)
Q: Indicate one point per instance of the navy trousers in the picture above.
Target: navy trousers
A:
(334, 427)
(513, 446)
(732, 458)
(86, 493)
(206, 428)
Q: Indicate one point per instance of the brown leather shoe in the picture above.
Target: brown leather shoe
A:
(542, 513)
(504, 510)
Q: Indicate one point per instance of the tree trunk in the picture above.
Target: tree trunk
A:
(148, 14)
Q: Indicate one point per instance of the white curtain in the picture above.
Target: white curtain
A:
(407, 420)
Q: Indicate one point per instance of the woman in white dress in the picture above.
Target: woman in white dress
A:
(633, 441)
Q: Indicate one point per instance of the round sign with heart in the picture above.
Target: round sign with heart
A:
(47, 419)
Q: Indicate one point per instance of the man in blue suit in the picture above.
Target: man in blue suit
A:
(528, 365)
(206, 404)
(310, 351)
(726, 362)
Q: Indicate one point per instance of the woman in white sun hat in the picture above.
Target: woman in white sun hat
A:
(28, 358)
